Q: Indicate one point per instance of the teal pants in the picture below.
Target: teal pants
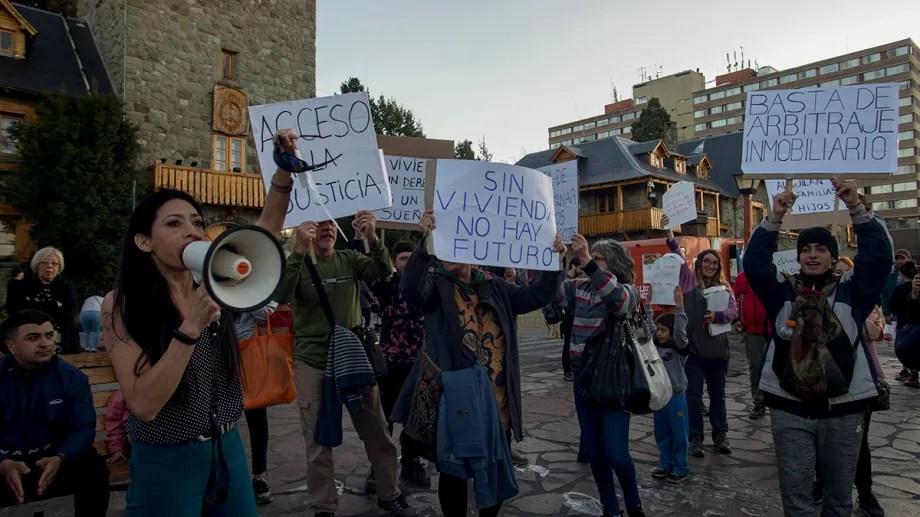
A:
(171, 480)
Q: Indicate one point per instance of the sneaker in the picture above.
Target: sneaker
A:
(635, 511)
(903, 375)
(518, 459)
(758, 411)
(696, 448)
(398, 507)
(817, 494)
(868, 506)
(660, 473)
(414, 474)
(721, 444)
(569, 376)
(370, 486)
(262, 490)
(913, 382)
(674, 479)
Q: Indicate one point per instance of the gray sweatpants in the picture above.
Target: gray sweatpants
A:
(831, 443)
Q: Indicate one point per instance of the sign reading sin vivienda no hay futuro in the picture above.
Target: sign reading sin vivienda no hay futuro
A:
(846, 130)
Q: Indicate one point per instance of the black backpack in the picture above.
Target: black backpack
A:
(552, 313)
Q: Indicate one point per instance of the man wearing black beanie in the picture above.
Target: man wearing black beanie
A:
(818, 423)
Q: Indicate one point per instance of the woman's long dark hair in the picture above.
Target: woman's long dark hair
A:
(142, 296)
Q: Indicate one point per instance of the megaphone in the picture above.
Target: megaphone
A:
(241, 269)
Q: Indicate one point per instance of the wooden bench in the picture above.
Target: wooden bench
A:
(102, 382)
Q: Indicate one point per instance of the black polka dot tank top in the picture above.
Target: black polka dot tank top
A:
(185, 415)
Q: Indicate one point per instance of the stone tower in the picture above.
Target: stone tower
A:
(186, 71)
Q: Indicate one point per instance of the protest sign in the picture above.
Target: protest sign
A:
(787, 261)
(493, 214)
(565, 195)
(648, 265)
(821, 132)
(814, 204)
(679, 204)
(408, 161)
(337, 130)
(645, 291)
(665, 276)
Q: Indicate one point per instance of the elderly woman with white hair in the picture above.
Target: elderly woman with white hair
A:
(607, 290)
(46, 292)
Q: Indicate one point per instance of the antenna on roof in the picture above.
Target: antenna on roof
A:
(742, 57)
(728, 60)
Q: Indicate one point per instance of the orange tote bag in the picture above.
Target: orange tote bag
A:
(267, 369)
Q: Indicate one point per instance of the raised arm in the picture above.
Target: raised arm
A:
(416, 281)
(620, 299)
(279, 194)
(376, 265)
(875, 257)
(148, 389)
(541, 291)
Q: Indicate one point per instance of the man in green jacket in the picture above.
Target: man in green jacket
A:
(340, 271)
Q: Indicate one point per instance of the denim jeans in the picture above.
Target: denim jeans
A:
(671, 435)
(171, 479)
(605, 435)
(90, 321)
(713, 372)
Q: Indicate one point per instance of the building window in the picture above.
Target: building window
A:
(7, 142)
(907, 151)
(834, 82)
(906, 101)
(629, 116)
(904, 203)
(753, 87)
(808, 74)
(6, 42)
(900, 69)
(555, 146)
(229, 154)
(655, 161)
(733, 91)
(717, 95)
(614, 120)
(880, 189)
(699, 113)
(601, 122)
(873, 74)
(641, 100)
(579, 127)
(680, 166)
(719, 123)
(734, 120)
(829, 69)
(900, 51)
(566, 131)
(701, 127)
(904, 187)
(907, 169)
(788, 78)
(606, 203)
(846, 81)
(228, 64)
(700, 99)
(715, 110)
(906, 118)
(590, 125)
(617, 131)
(733, 106)
(769, 83)
(871, 58)
(906, 135)
(850, 63)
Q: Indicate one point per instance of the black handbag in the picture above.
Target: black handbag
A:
(882, 402)
(612, 375)
(365, 336)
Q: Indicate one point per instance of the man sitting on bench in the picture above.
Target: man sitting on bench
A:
(47, 422)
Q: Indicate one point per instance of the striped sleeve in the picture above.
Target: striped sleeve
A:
(620, 299)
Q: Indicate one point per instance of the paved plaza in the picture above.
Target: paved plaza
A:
(741, 484)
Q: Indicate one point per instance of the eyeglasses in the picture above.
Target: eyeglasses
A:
(710, 262)
(598, 259)
(54, 264)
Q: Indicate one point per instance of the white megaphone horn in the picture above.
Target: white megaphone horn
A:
(241, 269)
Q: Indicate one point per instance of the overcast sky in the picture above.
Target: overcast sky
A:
(507, 70)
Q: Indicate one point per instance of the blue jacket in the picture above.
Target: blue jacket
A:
(45, 411)
(853, 300)
(471, 442)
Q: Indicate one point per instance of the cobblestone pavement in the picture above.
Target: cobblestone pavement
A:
(741, 484)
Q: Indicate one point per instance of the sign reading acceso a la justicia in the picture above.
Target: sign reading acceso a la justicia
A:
(845, 130)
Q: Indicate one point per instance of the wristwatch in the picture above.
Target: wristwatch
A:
(184, 338)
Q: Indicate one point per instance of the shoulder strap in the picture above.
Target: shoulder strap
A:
(318, 283)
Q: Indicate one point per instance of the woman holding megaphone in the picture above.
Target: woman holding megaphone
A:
(176, 357)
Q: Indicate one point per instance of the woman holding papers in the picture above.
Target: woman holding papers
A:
(711, 307)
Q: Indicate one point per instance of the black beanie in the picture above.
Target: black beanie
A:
(818, 235)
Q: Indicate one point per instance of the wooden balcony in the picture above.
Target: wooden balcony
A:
(211, 187)
(632, 221)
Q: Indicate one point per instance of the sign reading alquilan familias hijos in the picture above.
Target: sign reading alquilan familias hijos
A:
(849, 131)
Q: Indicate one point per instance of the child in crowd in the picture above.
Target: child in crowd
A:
(116, 416)
(671, 425)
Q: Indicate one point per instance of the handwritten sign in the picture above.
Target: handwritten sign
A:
(842, 130)
(645, 291)
(565, 196)
(665, 276)
(648, 265)
(407, 184)
(813, 196)
(338, 130)
(787, 261)
(679, 204)
(493, 214)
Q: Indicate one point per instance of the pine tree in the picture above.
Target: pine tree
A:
(653, 123)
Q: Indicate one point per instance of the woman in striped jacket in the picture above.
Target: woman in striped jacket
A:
(607, 290)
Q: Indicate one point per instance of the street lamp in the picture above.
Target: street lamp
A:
(747, 187)
(652, 196)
